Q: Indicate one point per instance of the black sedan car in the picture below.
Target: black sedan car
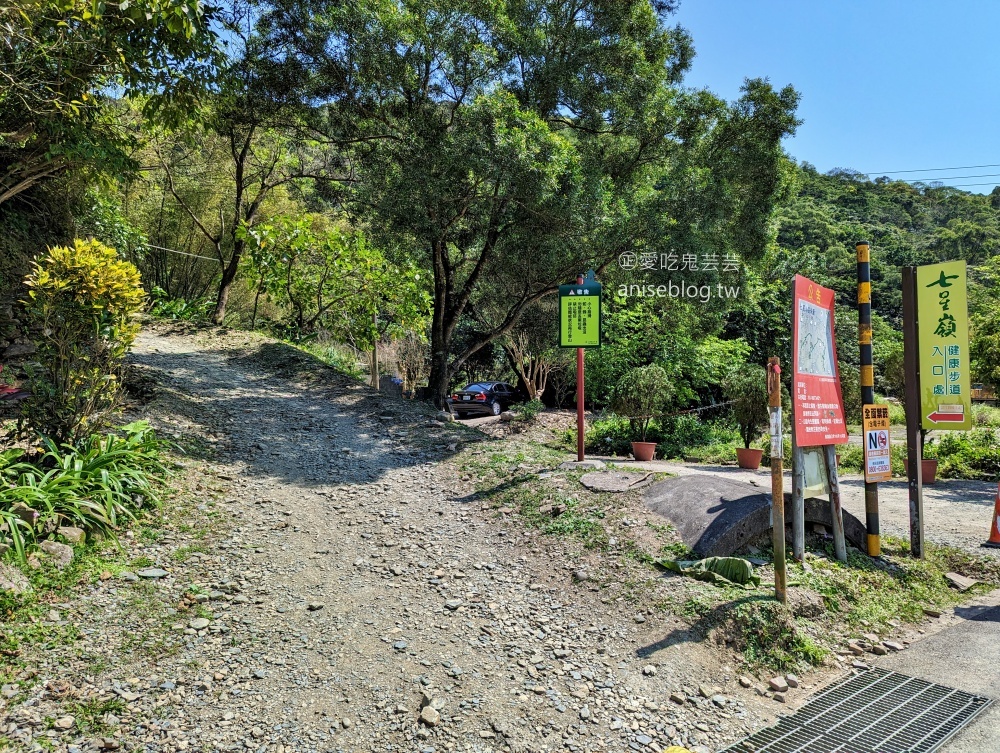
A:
(484, 398)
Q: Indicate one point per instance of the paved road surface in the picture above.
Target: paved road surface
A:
(957, 513)
(964, 655)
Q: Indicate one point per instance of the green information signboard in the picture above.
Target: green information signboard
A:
(580, 315)
(943, 346)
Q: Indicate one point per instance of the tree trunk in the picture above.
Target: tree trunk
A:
(440, 377)
(373, 360)
(228, 278)
(256, 300)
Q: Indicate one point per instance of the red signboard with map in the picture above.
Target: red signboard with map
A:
(818, 405)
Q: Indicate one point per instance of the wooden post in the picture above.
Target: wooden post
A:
(839, 542)
(579, 396)
(798, 502)
(867, 384)
(777, 490)
(374, 357)
(911, 372)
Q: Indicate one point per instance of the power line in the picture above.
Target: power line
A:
(181, 253)
(950, 177)
(963, 185)
(929, 170)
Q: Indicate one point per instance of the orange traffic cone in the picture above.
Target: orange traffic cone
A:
(995, 528)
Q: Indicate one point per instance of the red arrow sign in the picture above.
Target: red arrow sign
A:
(938, 417)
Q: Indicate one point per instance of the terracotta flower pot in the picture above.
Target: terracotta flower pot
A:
(928, 469)
(643, 450)
(749, 459)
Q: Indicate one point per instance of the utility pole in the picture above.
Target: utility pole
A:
(867, 383)
(914, 450)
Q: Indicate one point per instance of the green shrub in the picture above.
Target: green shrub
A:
(342, 358)
(94, 485)
(81, 300)
(985, 415)
(747, 389)
(675, 436)
(969, 454)
(640, 396)
(609, 435)
(897, 414)
(678, 434)
(177, 309)
(852, 458)
(529, 411)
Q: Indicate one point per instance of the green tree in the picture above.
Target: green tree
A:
(330, 277)
(262, 139)
(747, 389)
(59, 60)
(985, 347)
(640, 396)
(517, 143)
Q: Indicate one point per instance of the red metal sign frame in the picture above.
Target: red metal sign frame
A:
(816, 396)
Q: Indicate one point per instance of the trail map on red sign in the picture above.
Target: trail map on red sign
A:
(818, 406)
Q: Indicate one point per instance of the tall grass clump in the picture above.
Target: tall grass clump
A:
(96, 485)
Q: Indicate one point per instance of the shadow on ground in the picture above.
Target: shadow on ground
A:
(288, 415)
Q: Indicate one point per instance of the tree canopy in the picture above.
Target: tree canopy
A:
(514, 144)
(63, 62)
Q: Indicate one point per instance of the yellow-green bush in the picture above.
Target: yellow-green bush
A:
(82, 300)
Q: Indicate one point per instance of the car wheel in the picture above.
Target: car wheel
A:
(497, 408)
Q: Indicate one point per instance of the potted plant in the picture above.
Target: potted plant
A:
(639, 396)
(928, 460)
(746, 389)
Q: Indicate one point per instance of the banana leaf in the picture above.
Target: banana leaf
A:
(727, 571)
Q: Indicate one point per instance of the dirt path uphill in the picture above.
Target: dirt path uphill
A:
(352, 595)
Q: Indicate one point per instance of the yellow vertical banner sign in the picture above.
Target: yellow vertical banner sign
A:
(943, 346)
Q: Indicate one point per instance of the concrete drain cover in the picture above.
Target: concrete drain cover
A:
(877, 711)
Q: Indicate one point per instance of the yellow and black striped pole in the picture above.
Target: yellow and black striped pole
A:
(867, 383)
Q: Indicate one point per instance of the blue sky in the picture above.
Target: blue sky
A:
(886, 85)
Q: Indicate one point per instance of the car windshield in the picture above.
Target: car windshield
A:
(479, 387)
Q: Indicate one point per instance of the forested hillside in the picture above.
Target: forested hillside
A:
(815, 228)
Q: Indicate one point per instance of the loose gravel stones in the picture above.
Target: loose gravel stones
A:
(310, 600)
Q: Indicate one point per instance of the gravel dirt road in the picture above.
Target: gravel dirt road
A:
(334, 585)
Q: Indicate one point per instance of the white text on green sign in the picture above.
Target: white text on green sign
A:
(580, 315)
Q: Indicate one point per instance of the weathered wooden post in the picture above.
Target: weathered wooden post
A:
(911, 368)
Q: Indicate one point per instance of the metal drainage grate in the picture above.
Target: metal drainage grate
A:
(877, 711)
